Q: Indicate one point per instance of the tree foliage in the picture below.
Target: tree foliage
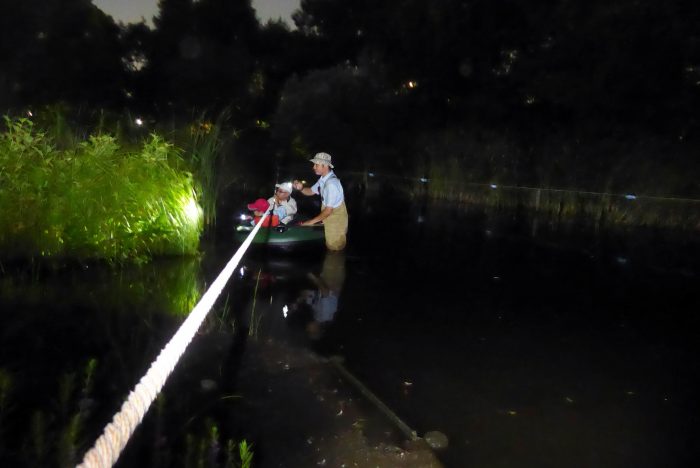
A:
(200, 55)
(570, 58)
(59, 51)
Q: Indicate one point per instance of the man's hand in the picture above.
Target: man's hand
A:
(297, 185)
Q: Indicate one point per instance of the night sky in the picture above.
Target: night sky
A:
(129, 11)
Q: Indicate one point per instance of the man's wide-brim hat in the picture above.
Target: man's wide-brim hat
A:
(322, 158)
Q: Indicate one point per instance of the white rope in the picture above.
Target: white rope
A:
(116, 434)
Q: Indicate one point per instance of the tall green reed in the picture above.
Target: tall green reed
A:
(204, 146)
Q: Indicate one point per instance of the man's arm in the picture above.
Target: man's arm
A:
(300, 187)
(326, 212)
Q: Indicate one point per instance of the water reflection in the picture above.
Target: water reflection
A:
(292, 300)
(323, 299)
(72, 343)
(171, 286)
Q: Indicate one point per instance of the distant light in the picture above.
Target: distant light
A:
(412, 84)
(631, 196)
(493, 186)
(420, 219)
(242, 271)
(285, 310)
(370, 174)
(243, 217)
(29, 113)
(138, 121)
(424, 180)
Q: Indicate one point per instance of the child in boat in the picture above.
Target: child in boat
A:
(283, 206)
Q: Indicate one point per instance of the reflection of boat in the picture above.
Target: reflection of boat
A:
(282, 236)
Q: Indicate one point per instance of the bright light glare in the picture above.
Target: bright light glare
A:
(192, 210)
(493, 186)
(285, 310)
(138, 121)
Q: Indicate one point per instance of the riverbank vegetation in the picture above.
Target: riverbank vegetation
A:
(615, 180)
(95, 198)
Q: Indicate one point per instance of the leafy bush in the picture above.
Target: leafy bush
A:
(95, 200)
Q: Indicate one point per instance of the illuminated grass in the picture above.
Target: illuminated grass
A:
(94, 200)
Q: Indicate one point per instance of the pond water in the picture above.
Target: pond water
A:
(527, 342)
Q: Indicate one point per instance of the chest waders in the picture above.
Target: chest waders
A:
(336, 225)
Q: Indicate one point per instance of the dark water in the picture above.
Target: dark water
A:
(530, 347)
(527, 342)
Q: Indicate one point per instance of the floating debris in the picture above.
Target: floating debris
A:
(207, 385)
(436, 440)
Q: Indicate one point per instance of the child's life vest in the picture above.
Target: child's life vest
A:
(275, 220)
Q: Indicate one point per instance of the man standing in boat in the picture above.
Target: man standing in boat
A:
(333, 212)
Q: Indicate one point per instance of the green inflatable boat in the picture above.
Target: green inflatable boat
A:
(282, 236)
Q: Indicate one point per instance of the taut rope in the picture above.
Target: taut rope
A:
(116, 434)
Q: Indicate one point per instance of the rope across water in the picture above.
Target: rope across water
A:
(116, 434)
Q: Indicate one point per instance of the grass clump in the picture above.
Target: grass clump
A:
(96, 199)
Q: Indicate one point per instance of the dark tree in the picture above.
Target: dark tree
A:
(200, 55)
(59, 51)
(630, 60)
